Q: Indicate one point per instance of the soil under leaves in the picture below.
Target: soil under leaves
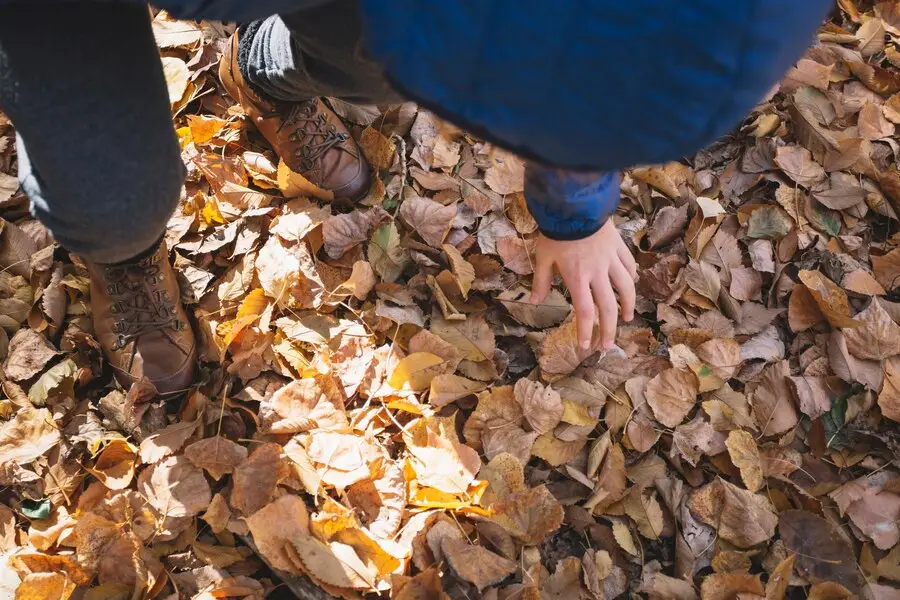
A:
(380, 409)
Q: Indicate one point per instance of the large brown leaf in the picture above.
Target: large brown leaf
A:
(823, 554)
(741, 517)
(672, 394)
(876, 336)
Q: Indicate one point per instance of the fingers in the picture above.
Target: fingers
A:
(543, 277)
(624, 284)
(628, 261)
(609, 311)
(584, 312)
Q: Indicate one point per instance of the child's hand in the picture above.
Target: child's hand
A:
(590, 267)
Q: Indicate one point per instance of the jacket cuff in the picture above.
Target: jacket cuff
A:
(570, 205)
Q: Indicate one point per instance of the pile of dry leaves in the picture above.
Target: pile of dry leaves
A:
(381, 410)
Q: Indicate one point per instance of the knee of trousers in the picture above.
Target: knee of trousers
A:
(108, 213)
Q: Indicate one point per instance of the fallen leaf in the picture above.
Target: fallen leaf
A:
(552, 311)
(822, 554)
(416, 371)
(115, 464)
(430, 219)
(874, 335)
(275, 525)
(541, 405)
(175, 487)
(798, 164)
(528, 515)
(217, 455)
(255, 479)
(740, 517)
(476, 564)
(830, 298)
(744, 455)
(29, 352)
(672, 394)
(166, 442)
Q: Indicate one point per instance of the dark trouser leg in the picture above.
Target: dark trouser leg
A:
(83, 85)
(313, 52)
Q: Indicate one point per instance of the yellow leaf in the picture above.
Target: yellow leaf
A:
(114, 466)
(294, 184)
(204, 127)
(416, 371)
(623, 537)
(744, 454)
(250, 310)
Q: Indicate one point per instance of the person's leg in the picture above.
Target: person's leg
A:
(280, 67)
(83, 85)
(314, 52)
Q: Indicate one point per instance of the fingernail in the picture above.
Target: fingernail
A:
(532, 299)
(585, 344)
(607, 345)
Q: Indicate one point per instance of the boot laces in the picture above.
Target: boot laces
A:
(140, 306)
(314, 134)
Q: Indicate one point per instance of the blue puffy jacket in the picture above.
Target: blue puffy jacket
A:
(577, 84)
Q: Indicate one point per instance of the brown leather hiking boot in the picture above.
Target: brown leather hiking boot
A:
(307, 136)
(141, 324)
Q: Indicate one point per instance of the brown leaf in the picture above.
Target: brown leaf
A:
(461, 268)
(703, 278)
(803, 310)
(255, 479)
(875, 335)
(728, 586)
(876, 515)
(822, 553)
(746, 284)
(342, 232)
(45, 586)
(476, 564)
(798, 164)
(668, 224)
(166, 441)
(814, 395)
(560, 353)
(773, 408)
(872, 123)
(887, 269)
(744, 455)
(430, 219)
(217, 455)
(472, 336)
(552, 311)
(831, 299)
(378, 149)
(29, 352)
(528, 515)
(672, 394)
(741, 517)
(697, 439)
(447, 388)
(862, 282)
(276, 524)
(542, 406)
(516, 254)
(175, 487)
(889, 397)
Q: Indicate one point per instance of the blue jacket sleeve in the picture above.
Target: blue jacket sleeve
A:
(570, 205)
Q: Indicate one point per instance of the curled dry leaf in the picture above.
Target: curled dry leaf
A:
(168, 441)
(28, 435)
(439, 459)
(305, 404)
(560, 353)
(28, 354)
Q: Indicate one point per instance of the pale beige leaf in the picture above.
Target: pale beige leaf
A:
(875, 335)
(175, 487)
(541, 405)
(741, 517)
(552, 311)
